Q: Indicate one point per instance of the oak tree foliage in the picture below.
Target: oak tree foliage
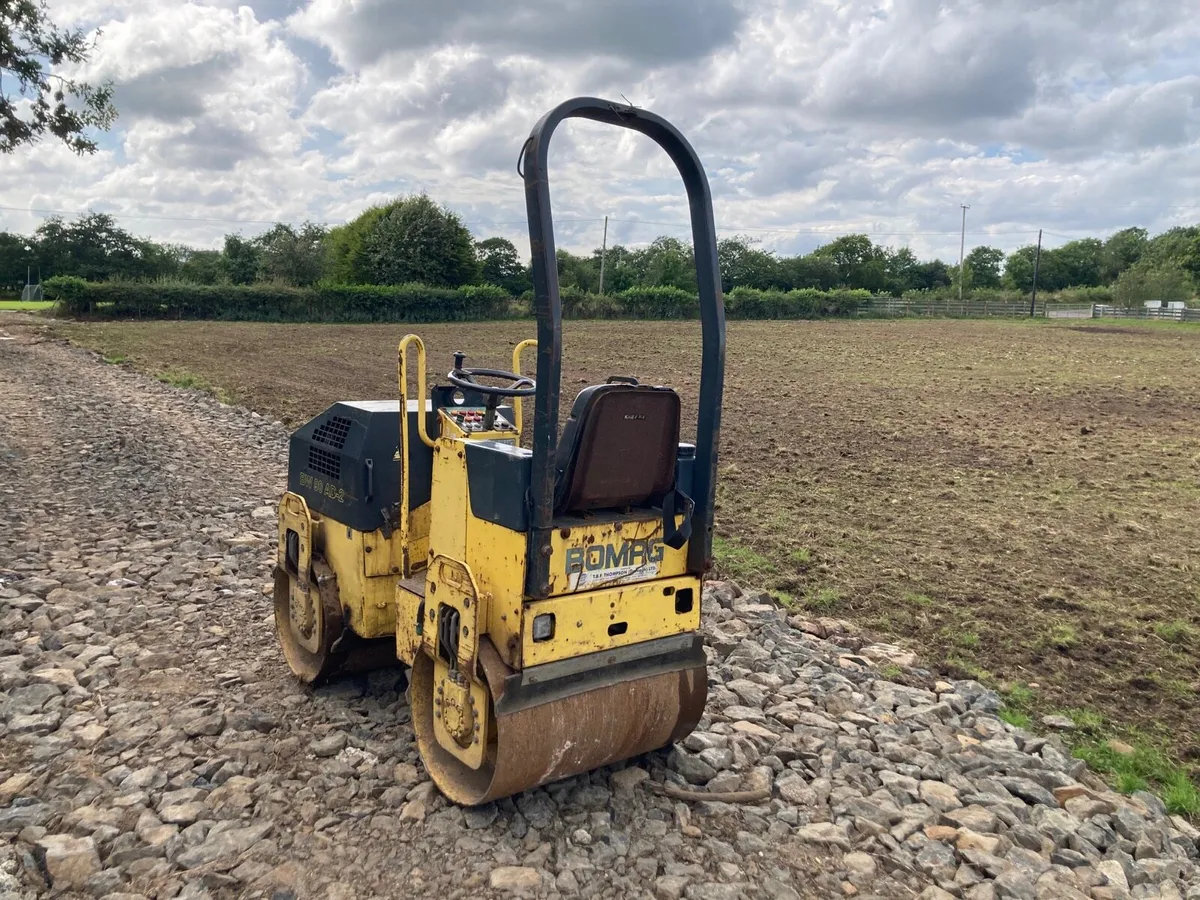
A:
(35, 100)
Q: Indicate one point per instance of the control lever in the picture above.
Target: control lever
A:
(489, 412)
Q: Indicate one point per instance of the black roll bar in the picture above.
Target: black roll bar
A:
(548, 309)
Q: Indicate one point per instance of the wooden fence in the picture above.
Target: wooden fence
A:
(943, 309)
(895, 306)
(1168, 315)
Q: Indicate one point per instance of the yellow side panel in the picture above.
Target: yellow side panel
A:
(495, 554)
(381, 556)
(370, 601)
(589, 557)
(378, 610)
(418, 536)
(409, 607)
(497, 558)
(602, 620)
(448, 518)
(385, 556)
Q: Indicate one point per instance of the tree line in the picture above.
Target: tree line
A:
(414, 240)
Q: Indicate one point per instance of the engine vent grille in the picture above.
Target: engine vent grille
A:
(324, 462)
(333, 432)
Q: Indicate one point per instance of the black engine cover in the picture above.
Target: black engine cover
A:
(343, 463)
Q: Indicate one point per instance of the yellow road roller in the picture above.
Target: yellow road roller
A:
(545, 597)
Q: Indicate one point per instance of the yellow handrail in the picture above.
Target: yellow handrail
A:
(402, 378)
(517, 351)
(402, 369)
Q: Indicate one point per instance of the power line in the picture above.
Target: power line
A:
(1076, 204)
(597, 220)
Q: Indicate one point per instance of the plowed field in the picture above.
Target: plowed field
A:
(1017, 501)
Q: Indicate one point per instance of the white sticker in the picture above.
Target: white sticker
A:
(618, 575)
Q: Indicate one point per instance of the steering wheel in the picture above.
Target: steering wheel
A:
(518, 385)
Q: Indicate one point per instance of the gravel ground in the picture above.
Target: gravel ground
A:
(152, 744)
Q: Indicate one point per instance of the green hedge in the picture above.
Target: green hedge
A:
(421, 303)
(805, 303)
(268, 302)
(673, 303)
(634, 303)
(416, 302)
(1005, 295)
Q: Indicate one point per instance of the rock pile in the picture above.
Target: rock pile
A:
(152, 744)
(915, 781)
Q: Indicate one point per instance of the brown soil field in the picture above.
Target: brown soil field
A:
(1016, 501)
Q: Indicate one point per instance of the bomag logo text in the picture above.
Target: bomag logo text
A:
(602, 557)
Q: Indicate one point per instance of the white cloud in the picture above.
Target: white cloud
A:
(1126, 118)
(359, 32)
(810, 115)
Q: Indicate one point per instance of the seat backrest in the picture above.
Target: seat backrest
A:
(618, 448)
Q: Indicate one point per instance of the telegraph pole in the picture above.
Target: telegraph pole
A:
(962, 246)
(603, 253)
(1037, 258)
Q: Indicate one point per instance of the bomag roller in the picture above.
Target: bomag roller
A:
(545, 598)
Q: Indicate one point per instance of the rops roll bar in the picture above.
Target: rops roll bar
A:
(549, 322)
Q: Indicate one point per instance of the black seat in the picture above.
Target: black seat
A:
(618, 448)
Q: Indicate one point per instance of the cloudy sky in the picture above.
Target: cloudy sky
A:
(813, 117)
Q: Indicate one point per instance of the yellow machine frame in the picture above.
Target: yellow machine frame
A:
(544, 638)
(442, 551)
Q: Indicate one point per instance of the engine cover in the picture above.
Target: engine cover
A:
(344, 462)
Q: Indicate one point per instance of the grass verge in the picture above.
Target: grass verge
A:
(1131, 761)
(183, 379)
(739, 562)
(29, 306)
(1138, 765)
